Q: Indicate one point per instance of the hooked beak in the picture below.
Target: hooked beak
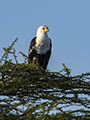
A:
(46, 29)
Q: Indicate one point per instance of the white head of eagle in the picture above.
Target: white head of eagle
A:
(40, 47)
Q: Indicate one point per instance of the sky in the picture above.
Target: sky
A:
(69, 29)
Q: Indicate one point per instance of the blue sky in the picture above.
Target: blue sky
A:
(68, 22)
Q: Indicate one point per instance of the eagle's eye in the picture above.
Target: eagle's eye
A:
(43, 28)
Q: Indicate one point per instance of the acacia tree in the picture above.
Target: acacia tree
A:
(27, 93)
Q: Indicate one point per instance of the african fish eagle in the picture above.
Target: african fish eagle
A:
(40, 48)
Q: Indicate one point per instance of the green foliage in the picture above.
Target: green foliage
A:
(29, 93)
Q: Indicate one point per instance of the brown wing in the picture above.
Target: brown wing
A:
(31, 52)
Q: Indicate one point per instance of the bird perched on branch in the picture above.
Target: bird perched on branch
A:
(40, 48)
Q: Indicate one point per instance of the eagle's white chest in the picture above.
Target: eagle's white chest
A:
(42, 44)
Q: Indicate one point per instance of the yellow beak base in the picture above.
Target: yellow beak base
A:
(46, 30)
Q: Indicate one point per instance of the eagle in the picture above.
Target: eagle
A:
(40, 48)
